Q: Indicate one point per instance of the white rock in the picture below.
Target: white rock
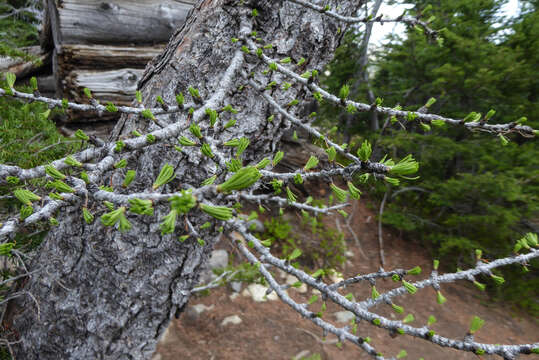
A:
(200, 308)
(234, 296)
(258, 293)
(291, 279)
(344, 316)
(236, 286)
(336, 277)
(273, 296)
(232, 319)
(218, 259)
(349, 253)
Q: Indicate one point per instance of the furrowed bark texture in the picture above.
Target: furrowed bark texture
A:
(103, 294)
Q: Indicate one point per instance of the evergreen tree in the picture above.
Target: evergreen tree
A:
(473, 193)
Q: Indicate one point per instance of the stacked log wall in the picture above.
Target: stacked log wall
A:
(105, 45)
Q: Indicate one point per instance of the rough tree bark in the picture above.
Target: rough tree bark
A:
(102, 294)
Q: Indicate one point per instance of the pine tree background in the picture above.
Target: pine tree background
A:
(473, 192)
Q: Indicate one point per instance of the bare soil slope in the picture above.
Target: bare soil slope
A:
(271, 330)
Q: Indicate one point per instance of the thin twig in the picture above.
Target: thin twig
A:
(215, 283)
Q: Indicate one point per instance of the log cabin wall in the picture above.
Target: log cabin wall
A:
(105, 45)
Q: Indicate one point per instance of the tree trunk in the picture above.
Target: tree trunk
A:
(363, 61)
(102, 294)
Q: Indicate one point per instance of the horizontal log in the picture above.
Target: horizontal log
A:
(117, 86)
(117, 21)
(106, 57)
(22, 67)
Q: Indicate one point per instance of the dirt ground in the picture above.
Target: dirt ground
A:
(272, 330)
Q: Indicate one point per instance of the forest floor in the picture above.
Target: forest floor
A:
(272, 330)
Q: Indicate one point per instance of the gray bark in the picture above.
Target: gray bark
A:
(362, 76)
(103, 294)
(373, 116)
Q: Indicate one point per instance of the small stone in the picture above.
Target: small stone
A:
(200, 308)
(232, 319)
(344, 316)
(258, 293)
(335, 278)
(157, 357)
(234, 296)
(291, 279)
(349, 253)
(218, 259)
(273, 296)
(236, 286)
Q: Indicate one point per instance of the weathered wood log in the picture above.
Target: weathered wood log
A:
(110, 40)
(110, 72)
(22, 67)
(118, 86)
(107, 57)
(116, 21)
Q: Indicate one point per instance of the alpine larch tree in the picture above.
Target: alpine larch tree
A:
(134, 218)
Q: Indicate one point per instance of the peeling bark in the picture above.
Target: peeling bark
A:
(103, 294)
